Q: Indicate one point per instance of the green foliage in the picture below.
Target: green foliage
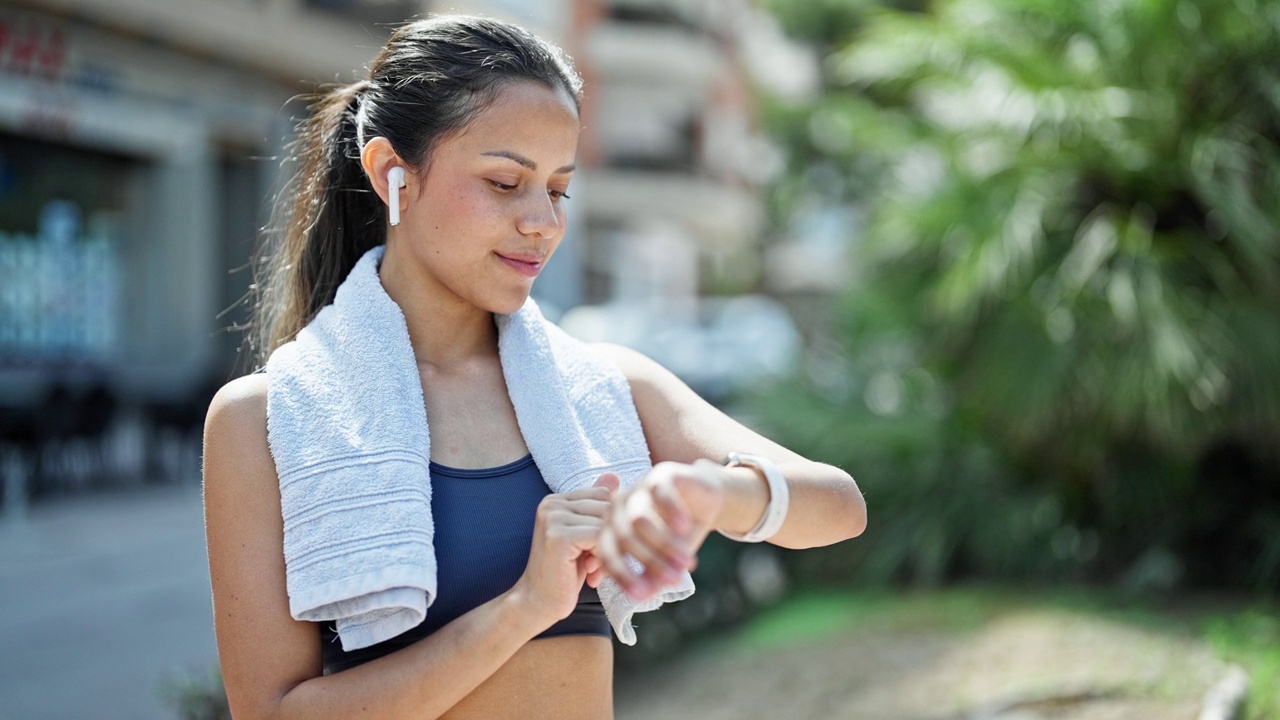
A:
(1252, 638)
(827, 23)
(814, 616)
(1065, 349)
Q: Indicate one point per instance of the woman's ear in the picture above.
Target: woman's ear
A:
(377, 159)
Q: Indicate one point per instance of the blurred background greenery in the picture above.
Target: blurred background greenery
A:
(1059, 359)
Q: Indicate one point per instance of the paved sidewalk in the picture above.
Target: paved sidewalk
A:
(102, 596)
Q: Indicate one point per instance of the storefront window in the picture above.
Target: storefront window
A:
(61, 281)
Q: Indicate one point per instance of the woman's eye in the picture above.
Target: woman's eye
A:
(501, 186)
(558, 194)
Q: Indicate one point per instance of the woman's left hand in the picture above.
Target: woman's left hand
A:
(661, 521)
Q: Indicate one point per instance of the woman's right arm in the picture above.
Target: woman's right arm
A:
(271, 663)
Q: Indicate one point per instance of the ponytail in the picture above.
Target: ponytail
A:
(326, 216)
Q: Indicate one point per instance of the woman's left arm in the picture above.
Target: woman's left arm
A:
(665, 518)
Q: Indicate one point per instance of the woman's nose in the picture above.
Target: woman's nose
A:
(539, 216)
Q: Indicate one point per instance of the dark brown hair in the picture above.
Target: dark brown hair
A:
(432, 77)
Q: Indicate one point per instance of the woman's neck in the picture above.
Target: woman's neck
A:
(444, 330)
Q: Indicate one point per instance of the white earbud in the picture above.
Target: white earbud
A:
(395, 181)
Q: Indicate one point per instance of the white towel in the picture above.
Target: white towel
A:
(348, 432)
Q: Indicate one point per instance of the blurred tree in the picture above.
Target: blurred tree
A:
(826, 24)
(1064, 351)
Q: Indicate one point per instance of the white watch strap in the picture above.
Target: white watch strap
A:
(775, 512)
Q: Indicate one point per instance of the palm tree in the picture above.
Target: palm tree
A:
(1069, 320)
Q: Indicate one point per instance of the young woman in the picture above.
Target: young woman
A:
(482, 120)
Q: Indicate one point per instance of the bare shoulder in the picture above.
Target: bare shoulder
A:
(241, 400)
(235, 435)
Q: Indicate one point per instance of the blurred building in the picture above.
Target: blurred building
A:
(138, 152)
(136, 140)
(138, 146)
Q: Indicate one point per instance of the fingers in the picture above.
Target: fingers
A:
(655, 544)
(611, 557)
(638, 527)
(672, 507)
(592, 567)
(657, 570)
(562, 554)
(652, 524)
(609, 480)
(573, 522)
(575, 540)
(582, 512)
(595, 492)
(588, 506)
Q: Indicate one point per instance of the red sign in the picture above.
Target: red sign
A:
(31, 47)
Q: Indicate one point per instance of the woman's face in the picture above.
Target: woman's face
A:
(490, 210)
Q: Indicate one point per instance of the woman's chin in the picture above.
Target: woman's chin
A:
(508, 303)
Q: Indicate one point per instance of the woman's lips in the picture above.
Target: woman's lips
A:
(527, 266)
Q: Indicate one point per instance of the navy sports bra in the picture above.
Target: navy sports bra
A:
(483, 528)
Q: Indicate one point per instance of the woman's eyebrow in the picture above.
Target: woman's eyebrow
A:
(526, 162)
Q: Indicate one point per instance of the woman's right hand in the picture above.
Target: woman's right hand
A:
(565, 533)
